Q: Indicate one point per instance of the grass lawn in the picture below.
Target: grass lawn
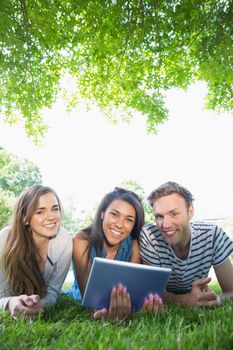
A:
(68, 326)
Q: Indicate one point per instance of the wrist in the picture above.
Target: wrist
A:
(6, 305)
(171, 298)
(10, 304)
(219, 299)
(181, 299)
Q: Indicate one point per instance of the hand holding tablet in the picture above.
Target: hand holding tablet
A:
(140, 281)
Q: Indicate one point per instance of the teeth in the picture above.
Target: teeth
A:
(116, 232)
(169, 233)
(50, 225)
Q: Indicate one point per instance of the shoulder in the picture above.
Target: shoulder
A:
(80, 248)
(64, 235)
(60, 246)
(62, 242)
(81, 236)
(207, 235)
(4, 233)
(206, 229)
(81, 241)
(150, 230)
(203, 225)
(149, 227)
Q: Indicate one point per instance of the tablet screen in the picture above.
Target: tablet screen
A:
(140, 280)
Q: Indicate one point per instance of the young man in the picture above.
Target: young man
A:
(188, 248)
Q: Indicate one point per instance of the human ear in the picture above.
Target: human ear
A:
(102, 215)
(191, 212)
(26, 222)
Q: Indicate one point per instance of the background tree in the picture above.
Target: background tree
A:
(74, 221)
(70, 220)
(123, 55)
(137, 188)
(5, 209)
(16, 174)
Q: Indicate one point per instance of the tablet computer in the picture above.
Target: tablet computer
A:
(140, 280)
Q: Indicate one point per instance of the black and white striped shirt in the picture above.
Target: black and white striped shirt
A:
(210, 246)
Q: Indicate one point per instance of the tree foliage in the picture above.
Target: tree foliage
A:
(134, 186)
(5, 208)
(17, 174)
(124, 55)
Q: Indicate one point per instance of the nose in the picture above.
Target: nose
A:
(51, 215)
(119, 222)
(166, 222)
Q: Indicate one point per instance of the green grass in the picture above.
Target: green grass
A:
(68, 326)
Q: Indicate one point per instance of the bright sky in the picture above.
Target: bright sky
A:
(84, 155)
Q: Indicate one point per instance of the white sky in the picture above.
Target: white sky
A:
(85, 156)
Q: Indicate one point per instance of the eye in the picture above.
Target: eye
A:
(56, 209)
(131, 220)
(39, 212)
(157, 217)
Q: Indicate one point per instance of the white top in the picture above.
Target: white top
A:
(210, 246)
(55, 271)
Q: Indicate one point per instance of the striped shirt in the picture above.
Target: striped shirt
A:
(210, 246)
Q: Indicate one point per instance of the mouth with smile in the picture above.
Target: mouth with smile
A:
(169, 233)
(116, 233)
(50, 226)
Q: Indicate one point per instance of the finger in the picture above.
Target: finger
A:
(26, 300)
(112, 312)
(209, 303)
(122, 302)
(157, 303)
(126, 300)
(208, 296)
(35, 298)
(125, 311)
(150, 303)
(29, 310)
(22, 310)
(32, 311)
(119, 300)
(201, 282)
(100, 314)
(205, 288)
(38, 308)
(145, 304)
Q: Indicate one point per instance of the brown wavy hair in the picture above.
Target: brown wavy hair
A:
(20, 258)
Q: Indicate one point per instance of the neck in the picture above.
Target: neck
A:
(42, 248)
(111, 250)
(108, 245)
(40, 242)
(182, 248)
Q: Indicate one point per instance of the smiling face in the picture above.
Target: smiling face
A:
(172, 217)
(118, 221)
(46, 219)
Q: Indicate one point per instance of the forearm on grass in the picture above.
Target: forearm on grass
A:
(181, 299)
(226, 296)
